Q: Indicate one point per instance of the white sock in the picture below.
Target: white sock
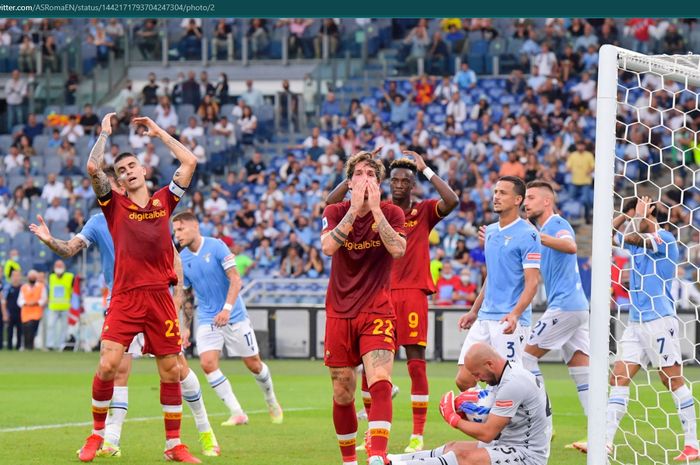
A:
(170, 443)
(447, 459)
(192, 393)
(117, 414)
(264, 380)
(423, 454)
(222, 387)
(532, 364)
(686, 412)
(580, 377)
(617, 408)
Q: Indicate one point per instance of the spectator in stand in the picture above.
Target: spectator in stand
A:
(147, 39)
(673, 41)
(639, 29)
(590, 59)
(26, 58)
(115, 32)
(581, 164)
(56, 213)
(103, 44)
(457, 109)
(588, 38)
(314, 267)
(166, 116)
(15, 93)
(190, 45)
(512, 167)
(445, 90)
(608, 33)
(586, 89)
(149, 157)
(219, 43)
(416, 45)
(437, 55)
(265, 258)
(33, 128)
(138, 139)
(255, 167)
(52, 188)
(193, 130)
(400, 109)
(252, 97)
(206, 87)
(191, 93)
(72, 131)
(224, 128)
(329, 31)
(248, 124)
(448, 285)
(330, 112)
(70, 169)
(70, 88)
(296, 41)
(465, 78)
(49, 54)
(13, 160)
(292, 264)
(84, 191)
(149, 93)
(215, 205)
(88, 119)
(208, 102)
(546, 61)
(259, 38)
(423, 90)
(12, 224)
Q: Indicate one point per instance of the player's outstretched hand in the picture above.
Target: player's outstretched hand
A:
(420, 163)
(375, 196)
(447, 409)
(509, 323)
(185, 335)
(107, 123)
(221, 318)
(376, 151)
(357, 199)
(466, 321)
(642, 209)
(482, 236)
(152, 129)
(40, 230)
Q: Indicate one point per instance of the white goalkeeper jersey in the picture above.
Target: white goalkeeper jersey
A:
(522, 398)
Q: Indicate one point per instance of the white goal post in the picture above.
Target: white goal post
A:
(684, 70)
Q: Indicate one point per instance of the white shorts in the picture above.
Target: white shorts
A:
(509, 346)
(656, 342)
(136, 347)
(521, 455)
(238, 338)
(559, 329)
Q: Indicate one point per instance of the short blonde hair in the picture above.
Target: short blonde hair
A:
(364, 156)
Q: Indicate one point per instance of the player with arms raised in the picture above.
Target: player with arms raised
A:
(564, 324)
(363, 236)
(411, 283)
(652, 335)
(501, 313)
(518, 429)
(143, 271)
(97, 232)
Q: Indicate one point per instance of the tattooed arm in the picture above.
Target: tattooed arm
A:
(394, 243)
(100, 183)
(188, 162)
(65, 249)
(335, 238)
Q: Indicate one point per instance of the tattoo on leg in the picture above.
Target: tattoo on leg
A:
(381, 357)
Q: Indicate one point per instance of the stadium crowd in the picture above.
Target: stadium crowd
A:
(536, 122)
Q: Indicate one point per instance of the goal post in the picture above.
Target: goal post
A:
(633, 135)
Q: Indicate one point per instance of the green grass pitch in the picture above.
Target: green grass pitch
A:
(49, 395)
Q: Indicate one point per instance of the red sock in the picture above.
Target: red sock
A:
(419, 394)
(171, 401)
(380, 419)
(345, 422)
(366, 397)
(101, 397)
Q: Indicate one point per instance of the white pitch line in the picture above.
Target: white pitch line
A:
(128, 420)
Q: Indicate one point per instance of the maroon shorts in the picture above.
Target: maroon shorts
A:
(411, 307)
(348, 339)
(148, 311)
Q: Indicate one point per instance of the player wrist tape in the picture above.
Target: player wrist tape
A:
(428, 173)
(228, 307)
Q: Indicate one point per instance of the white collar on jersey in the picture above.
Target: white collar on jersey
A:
(550, 217)
(508, 225)
(200, 247)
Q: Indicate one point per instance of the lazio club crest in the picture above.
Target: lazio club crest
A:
(207, 257)
(508, 239)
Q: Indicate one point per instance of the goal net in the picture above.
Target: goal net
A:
(647, 144)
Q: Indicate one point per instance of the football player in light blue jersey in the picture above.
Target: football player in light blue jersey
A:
(96, 231)
(501, 313)
(652, 332)
(209, 268)
(564, 324)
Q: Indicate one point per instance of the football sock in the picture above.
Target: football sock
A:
(264, 380)
(686, 412)
(617, 408)
(117, 413)
(222, 387)
(192, 393)
(532, 364)
(447, 459)
(101, 396)
(345, 422)
(380, 417)
(419, 394)
(580, 377)
(171, 401)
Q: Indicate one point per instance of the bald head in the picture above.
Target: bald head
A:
(484, 363)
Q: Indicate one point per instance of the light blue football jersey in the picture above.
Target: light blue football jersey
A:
(205, 271)
(560, 270)
(96, 231)
(651, 277)
(509, 251)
